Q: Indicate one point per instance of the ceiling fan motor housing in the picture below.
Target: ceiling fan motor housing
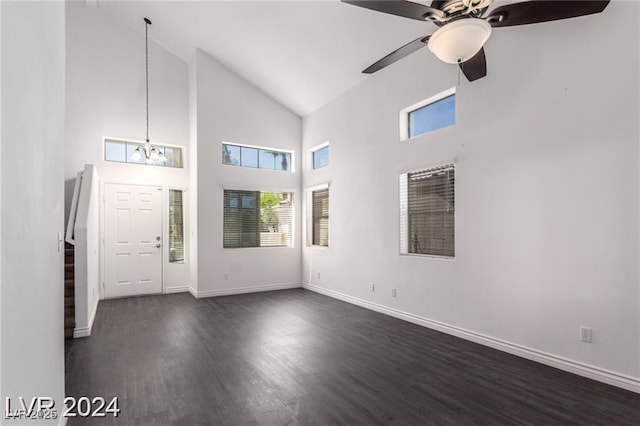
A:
(454, 9)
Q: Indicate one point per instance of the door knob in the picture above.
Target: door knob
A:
(158, 245)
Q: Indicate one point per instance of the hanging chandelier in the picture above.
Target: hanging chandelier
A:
(150, 153)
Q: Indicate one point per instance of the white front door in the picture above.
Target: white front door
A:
(132, 240)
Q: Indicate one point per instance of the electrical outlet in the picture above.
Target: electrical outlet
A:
(585, 334)
(318, 275)
(393, 292)
(372, 287)
(226, 277)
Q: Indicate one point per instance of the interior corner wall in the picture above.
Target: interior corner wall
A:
(192, 194)
(547, 203)
(231, 110)
(31, 174)
(105, 76)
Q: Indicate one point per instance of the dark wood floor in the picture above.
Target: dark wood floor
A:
(296, 357)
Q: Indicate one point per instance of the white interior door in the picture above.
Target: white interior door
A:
(132, 240)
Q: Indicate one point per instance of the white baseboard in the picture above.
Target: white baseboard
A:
(242, 290)
(86, 331)
(575, 367)
(181, 289)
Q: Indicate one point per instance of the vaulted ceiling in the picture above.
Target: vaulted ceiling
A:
(301, 53)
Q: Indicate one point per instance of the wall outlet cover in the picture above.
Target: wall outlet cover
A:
(586, 334)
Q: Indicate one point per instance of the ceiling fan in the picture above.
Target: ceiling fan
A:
(464, 28)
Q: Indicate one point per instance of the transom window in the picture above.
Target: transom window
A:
(431, 114)
(260, 158)
(320, 157)
(427, 212)
(122, 151)
(257, 219)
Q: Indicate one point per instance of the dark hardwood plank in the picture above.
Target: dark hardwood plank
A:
(296, 357)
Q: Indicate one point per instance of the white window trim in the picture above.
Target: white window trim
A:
(231, 187)
(313, 150)
(270, 148)
(139, 142)
(402, 238)
(308, 216)
(185, 227)
(404, 113)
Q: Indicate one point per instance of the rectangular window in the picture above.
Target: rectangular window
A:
(261, 158)
(257, 219)
(427, 212)
(320, 217)
(176, 226)
(123, 152)
(431, 114)
(320, 157)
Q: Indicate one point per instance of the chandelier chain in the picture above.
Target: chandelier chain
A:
(146, 57)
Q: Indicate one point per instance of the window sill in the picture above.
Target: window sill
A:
(259, 248)
(429, 256)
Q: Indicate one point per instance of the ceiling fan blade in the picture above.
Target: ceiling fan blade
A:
(476, 67)
(402, 8)
(398, 54)
(532, 12)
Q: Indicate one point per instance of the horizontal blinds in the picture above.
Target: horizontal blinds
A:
(427, 203)
(176, 226)
(320, 217)
(257, 219)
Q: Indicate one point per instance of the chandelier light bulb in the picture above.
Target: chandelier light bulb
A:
(162, 158)
(154, 154)
(137, 155)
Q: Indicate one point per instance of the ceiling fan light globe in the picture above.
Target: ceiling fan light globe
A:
(460, 40)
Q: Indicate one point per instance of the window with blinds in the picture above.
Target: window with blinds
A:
(427, 212)
(257, 219)
(320, 217)
(176, 226)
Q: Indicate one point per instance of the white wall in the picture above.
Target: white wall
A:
(230, 109)
(546, 152)
(87, 252)
(31, 173)
(106, 97)
(1, 200)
